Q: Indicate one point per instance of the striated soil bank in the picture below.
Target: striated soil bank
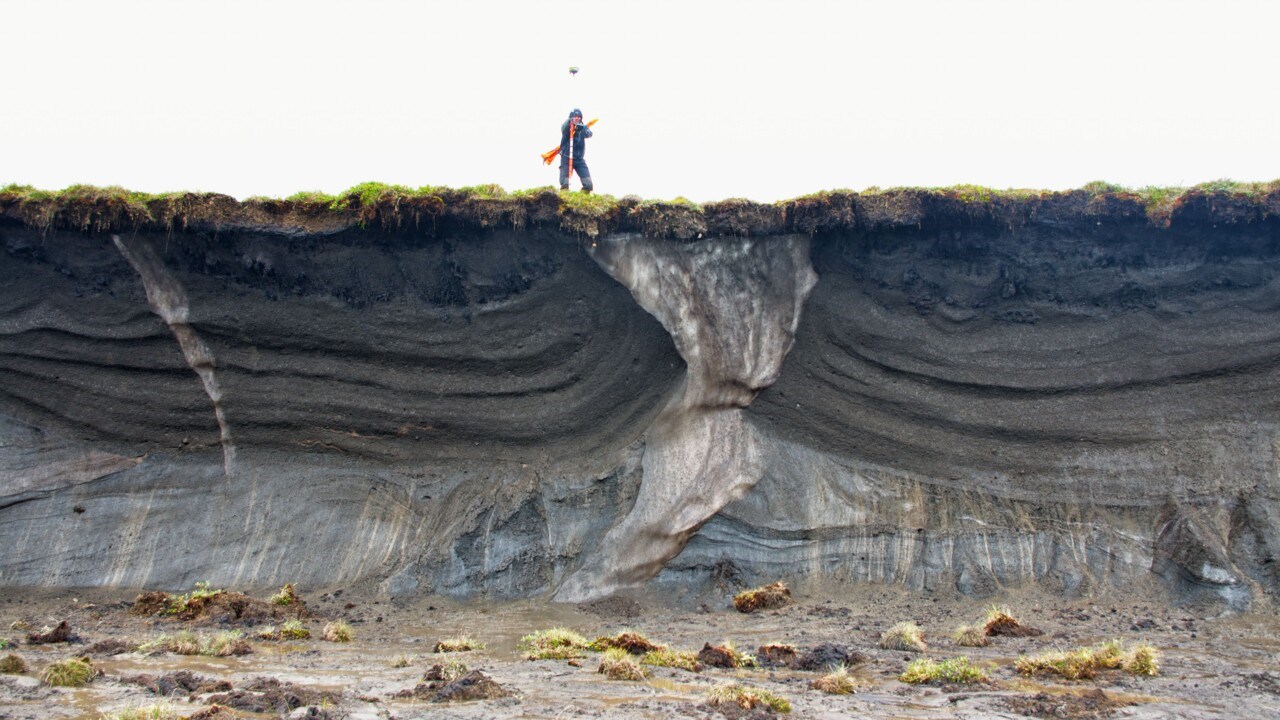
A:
(518, 396)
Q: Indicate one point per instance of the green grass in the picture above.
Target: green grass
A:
(457, 644)
(666, 657)
(618, 664)
(1086, 663)
(747, 698)
(294, 630)
(73, 672)
(554, 644)
(186, 642)
(448, 671)
(179, 604)
(287, 596)
(954, 670)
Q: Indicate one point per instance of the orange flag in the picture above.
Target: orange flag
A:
(551, 154)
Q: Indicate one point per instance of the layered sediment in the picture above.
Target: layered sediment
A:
(516, 397)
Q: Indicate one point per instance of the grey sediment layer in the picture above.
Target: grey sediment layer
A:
(967, 399)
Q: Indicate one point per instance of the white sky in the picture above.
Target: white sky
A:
(709, 100)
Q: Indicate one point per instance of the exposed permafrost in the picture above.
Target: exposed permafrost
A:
(732, 306)
(168, 300)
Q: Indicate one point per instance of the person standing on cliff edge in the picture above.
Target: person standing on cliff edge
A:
(573, 150)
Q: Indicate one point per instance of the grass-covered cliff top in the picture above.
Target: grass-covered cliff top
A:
(432, 209)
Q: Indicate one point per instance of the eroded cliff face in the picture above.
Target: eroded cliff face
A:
(944, 400)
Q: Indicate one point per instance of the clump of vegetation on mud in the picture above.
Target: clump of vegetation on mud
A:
(457, 644)
(224, 644)
(554, 644)
(156, 711)
(726, 656)
(773, 595)
(287, 596)
(955, 671)
(747, 698)
(1086, 663)
(206, 604)
(72, 672)
(618, 664)
(666, 657)
(1000, 622)
(836, 682)
(337, 631)
(903, 636)
(971, 636)
(12, 665)
(628, 640)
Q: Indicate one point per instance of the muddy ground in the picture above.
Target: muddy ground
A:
(1211, 665)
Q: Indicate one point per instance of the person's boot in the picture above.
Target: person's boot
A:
(586, 191)
(563, 188)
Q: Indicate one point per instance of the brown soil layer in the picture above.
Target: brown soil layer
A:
(93, 209)
(1210, 666)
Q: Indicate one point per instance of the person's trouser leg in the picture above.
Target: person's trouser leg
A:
(564, 172)
(584, 174)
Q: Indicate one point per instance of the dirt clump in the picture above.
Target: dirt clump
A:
(215, 712)
(827, 655)
(1004, 625)
(217, 607)
(475, 685)
(773, 595)
(1089, 705)
(717, 656)
(776, 655)
(180, 682)
(634, 643)
(111, 646)
(60, 634)
(269, 695)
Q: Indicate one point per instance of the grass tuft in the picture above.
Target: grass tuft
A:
(294, 630)
(73, 672)
(1085, 663)
(287, 596)
(447, 671)
(629, 640)
(903, 636)
(554, 644)
(457, 644)
(971, 636)
(224, 644)
(1143, 660)
(156, 711)
(618, 664)
(337, 631)
(955, 671)
(666, 657)
(773, 595)
(12, 665)
(747, 698)
(836, 682)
